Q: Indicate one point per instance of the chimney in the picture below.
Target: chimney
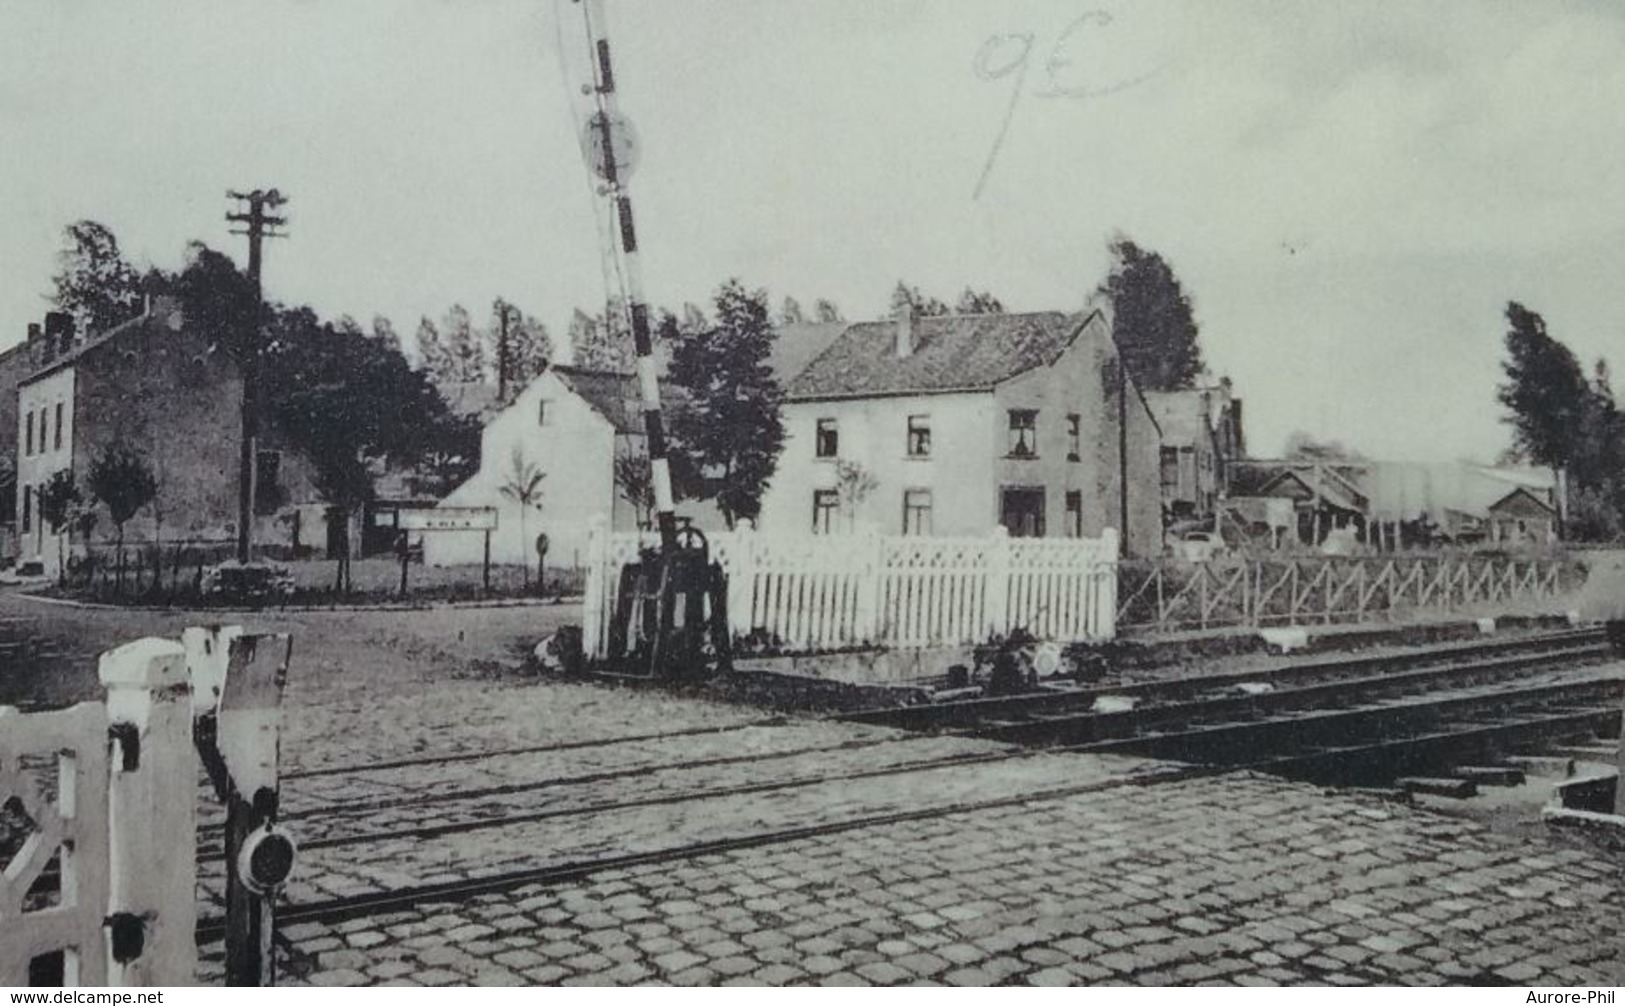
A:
(907, 339)
(58, 332)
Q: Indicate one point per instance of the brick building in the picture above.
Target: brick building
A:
(965, 422)
(165, 390)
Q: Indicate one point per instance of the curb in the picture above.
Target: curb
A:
(407, 607)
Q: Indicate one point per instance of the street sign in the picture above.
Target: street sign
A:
(441, 518)
(623, 143)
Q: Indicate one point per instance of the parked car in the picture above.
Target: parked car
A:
(1200, 546)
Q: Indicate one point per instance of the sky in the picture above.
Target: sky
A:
(1350, 193)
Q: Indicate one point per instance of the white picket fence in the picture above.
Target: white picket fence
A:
(825, 592)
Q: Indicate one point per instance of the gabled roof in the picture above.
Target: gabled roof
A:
(1522, 502)
(1182, 415)
(158, 313)
(956, 352)
(1325, 484)
(614, 395)
(798, 344)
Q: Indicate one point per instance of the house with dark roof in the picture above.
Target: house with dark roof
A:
(583, 430)
(957, 424)
(164, 389)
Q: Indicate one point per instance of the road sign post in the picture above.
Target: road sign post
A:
(444, 518)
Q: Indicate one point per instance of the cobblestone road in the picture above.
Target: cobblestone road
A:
(1237, 879)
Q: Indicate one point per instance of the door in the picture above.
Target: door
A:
(1021, 511)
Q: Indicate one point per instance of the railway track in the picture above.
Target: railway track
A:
(1361, 720)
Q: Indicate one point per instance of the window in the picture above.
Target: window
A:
(1021, 511)
(267, 482)
(1169, 461)
(1023, 433)
(44, 426)
(541, 412)
(1074, 446)
(919, 436)
(825, 505)
(28, 508)
(28, 449)
(828, 440)
(1074, 514)
(917, 511)
(57, 444)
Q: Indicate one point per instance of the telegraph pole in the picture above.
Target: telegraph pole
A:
(502, 353)
(258, 224)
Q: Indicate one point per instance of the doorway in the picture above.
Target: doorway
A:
(1021, 511)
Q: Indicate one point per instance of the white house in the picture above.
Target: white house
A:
(962, 423)
(573, 424)
(570, 425)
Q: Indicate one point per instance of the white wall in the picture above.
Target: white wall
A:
(574, 446)
(874, 433)
(48, 457)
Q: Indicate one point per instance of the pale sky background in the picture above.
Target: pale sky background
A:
(1350, 192)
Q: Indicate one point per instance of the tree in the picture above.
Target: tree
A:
(93, 282)
(1545, 391)
(217, 298)
(602, 343)
(529, 347)
(905, 297)
(971, 302)
(636, 484)
(464, 348)
(853, 484)
(826, 312)
(728, 429)
(347, 403)
(790, 313)
(383, 332)
(523, 485)
(434, 359)
(58, 498)
(1153, 323)
(122, 480)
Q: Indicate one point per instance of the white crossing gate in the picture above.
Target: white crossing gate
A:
(97, 831)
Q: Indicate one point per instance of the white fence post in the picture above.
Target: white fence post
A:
(740, 567)
(152, 815)
(1105, 615)
(871, 567)
(592, 595)
(998, 581)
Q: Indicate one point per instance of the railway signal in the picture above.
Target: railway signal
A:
(679, 573)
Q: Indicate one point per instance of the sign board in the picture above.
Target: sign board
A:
(622, 145)
(444, 518)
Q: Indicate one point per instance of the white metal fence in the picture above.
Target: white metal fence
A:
(824, 592)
